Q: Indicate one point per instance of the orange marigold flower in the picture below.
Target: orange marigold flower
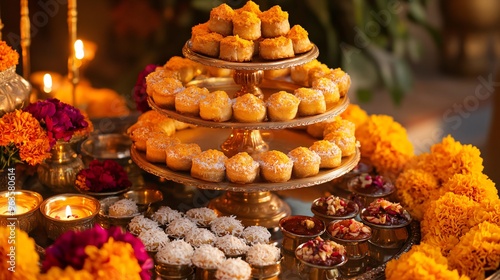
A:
(385, 142)
(478, 251)
(447, 219)
(8, 56)
(415, 188)
(355, 114)
(26, 259)
(421, 262)
(476, 186)
(450, 157)
(490, 212)
(422, 161)
(22, 129)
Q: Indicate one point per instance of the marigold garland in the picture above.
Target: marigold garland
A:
(423, 261)
(8, 56)
(25, 257)
(478, 251)
(447, 219)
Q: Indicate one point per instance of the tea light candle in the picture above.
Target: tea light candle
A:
(21, 206)
(68, 212)
(71, 213)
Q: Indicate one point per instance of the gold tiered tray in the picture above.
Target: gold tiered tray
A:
(253, 204)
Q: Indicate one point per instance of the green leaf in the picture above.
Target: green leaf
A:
(320, 9)
(417, 11)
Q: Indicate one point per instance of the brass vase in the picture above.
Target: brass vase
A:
(58, 173)
(14, 91)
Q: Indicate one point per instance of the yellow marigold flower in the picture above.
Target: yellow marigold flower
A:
(447, 219)
(476, 186)
(478, 251)
(421, 262)
(450, 157)
(115, 260)
(355, 114)
(422, 161)
(390, 157)
(490, 211)
(385, 142)
(8, 56)
(415, 188)
(18, 258)
(69, 273)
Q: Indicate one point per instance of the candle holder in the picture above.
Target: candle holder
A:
(23, 212)
(56, 221)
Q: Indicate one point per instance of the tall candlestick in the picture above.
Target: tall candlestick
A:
(1, 24)
(73, 74)
(25, 38)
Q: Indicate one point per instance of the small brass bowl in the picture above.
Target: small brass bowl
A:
(144, 197)
(388, 236)
(292, 225)
(174, 271)
(112, 146)
(318, 211)
(107, 221)
(266, 271)
(83, 206)
(20, 208)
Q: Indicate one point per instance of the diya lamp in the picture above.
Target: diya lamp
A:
(68, 212)
(20, 208)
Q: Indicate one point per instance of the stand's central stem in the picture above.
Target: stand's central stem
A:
(249, 81)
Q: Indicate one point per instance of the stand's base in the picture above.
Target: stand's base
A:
(255, 208)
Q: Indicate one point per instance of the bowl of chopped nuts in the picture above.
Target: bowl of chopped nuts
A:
(388, 221)
(298, 229)
(333, 208)
(326, 255)
(369, 187)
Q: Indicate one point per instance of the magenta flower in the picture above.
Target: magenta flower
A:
(107, 176)
(140, 95)
(61, 120)
(69, 248)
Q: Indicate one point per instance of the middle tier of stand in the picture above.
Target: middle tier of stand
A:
(282, 140)
(268, 87)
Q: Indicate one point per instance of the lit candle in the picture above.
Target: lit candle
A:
(47, 83)
(79, 50)
(68, 214)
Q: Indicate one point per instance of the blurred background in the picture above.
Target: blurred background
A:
(431, 64)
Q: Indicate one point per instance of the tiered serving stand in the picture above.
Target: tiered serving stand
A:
(253, 204)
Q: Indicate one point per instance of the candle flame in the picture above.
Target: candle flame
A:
(79, 53)
(47, 83)
(68, 211)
